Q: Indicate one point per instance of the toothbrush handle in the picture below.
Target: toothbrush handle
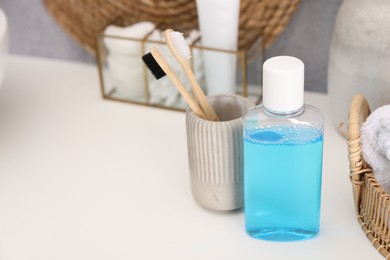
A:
(196, 89)
(172, 76)
(199, 94)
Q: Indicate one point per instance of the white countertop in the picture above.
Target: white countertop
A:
(86, 178)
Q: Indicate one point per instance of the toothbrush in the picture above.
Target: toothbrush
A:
(157, 64)
(180, 49)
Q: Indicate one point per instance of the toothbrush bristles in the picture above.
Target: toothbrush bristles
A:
(180, 44)
(153, 66)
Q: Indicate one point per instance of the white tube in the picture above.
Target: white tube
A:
(218, 21)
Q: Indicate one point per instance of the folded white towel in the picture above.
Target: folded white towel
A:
(375, 135)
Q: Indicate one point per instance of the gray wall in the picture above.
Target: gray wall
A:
(308, 36)
(34, 32)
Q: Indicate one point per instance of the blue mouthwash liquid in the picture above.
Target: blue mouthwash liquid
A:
(282, 178)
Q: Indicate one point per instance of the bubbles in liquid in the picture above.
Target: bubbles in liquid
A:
(283, 135)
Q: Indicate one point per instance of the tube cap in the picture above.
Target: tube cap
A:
(283, 84)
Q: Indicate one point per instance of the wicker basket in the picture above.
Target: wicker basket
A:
(372, 203)
(84, 20)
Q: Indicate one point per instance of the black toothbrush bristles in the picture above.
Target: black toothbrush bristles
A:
(153, 66)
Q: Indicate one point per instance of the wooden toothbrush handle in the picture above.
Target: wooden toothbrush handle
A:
(200, 96)
(172, 76)
(196, 89)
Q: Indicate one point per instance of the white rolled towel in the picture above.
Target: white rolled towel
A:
(123, 46)
(128, 84)
(124, 58)
(375, 136)
(125, 61)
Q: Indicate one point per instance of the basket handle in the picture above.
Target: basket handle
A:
(358, 113)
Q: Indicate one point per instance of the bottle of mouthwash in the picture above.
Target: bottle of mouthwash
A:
(283, 141)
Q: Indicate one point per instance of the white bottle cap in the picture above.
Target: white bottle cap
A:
(283, 84)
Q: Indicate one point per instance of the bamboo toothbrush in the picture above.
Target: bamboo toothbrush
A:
(180, 49)
(157, 64)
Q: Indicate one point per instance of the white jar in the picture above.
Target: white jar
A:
(4, 38)
(359, 60)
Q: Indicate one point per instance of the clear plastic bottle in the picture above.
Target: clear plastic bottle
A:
(283, 144)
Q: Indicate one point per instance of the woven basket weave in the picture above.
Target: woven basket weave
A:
(84, 20)
(372, 203)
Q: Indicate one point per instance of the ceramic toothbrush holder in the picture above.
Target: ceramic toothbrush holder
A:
(215, 154)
